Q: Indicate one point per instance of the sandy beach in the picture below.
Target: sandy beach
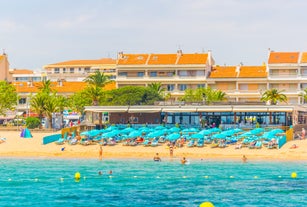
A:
(14, 146)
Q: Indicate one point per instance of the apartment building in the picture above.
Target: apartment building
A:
(4, 67)
(78, 70)
(176, 72)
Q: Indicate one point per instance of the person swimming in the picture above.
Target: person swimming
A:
(184, 161)
(157, 158)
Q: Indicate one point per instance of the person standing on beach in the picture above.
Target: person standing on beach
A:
(303, 133)
(100, 153)
(244, 158)
(171, 150)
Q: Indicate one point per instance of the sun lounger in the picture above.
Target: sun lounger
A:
(191, 143)
(60, 141)
(200, 143)
(73, 141)
(258, 145)
(154, 143)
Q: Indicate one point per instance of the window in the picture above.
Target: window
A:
(122, 74)
(64, 70)
(71, 70)
(56, 70)
(80, 69)
(201, 85)
(153, 74)
(140, 74)
(22, 101)
(87, 70)
(170, 87)
(36, 78)
(182, 87)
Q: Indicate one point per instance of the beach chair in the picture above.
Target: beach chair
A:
(154, 143)
(73, 141)
(191, 143)
(200, 143)
(146, 143)
(60, 141)
(258, 145)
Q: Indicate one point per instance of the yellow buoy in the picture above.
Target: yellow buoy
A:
(206, 204)
(293, 175)
(77, 176)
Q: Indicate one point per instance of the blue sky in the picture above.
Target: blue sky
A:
(39, 32)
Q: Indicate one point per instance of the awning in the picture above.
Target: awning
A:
(178, 109)
(214, 108)
(250, 109)
(281, 109)
(107, 108)
(141, 109)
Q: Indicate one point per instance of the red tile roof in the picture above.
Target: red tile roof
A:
(193, 59)
(252, 72)
(162, 59)
(102, 61)
(304, 57)
(21, 71)
(283, 57)
(223, 72)
(133, 59)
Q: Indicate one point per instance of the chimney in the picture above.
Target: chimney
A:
(60, 82)
(179, 53)
(120, 55)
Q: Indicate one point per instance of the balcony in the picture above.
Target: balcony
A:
(283, 76)
(162, 78)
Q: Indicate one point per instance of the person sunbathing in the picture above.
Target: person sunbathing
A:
(294, 146)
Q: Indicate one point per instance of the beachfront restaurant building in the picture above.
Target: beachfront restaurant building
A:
(226, 116)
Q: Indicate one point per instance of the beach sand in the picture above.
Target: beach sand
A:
(33, 148)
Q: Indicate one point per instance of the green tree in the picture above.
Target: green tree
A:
(274, 96)
(79, 100)
(157, 87)
(45, 86)
(98, 79)
(304, 95)
(37, 105)
(51, 106)
(207, 95)
(8, 97)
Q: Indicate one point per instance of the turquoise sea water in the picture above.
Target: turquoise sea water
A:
(138, 183)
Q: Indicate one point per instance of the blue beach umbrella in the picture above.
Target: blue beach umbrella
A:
(173, 136)
(160, 128)
(155, 134)
(134, 134)
(174, 129)
(215, 130)
(127, 130)
(110, 128)
(190, 130)
(219, 136)
(94, 132)
(205, 132)
(197, 136)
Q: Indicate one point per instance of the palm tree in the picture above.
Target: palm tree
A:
(157, 87)
(51, 106)
(98, 79)
(45, 86)
(38, 105)
(304, 95)
(274, 96)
